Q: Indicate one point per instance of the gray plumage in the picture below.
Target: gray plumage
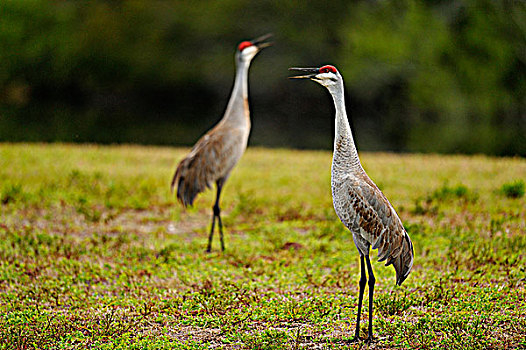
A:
(367, 213)
(358, 202)
(216, 153)
(211, 160)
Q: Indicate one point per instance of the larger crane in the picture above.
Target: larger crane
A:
(358, 202)
(216, 153)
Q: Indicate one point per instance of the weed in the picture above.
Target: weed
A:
(392, 304)
(270, 339)
(11, 193)
(446, 193)
(514, 189)
(97, 254)
(423, 207)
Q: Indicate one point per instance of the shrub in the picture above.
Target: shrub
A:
(514, 189)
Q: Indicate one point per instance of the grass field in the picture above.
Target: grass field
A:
(95, 253)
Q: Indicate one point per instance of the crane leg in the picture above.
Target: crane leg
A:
(221, 232)
(363, 280)
(217, 213)
(209, 247)
(372, 280)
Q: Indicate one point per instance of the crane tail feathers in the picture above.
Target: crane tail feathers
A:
(404, 261)
(396, 250)
(186, 191)
(189, 182)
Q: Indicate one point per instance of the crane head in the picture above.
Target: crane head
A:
(247, 50)
(327, 75)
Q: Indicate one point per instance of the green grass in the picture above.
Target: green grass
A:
(515, 189)
(94, 253)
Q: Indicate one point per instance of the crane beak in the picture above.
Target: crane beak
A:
(312, 72)
(260, 41)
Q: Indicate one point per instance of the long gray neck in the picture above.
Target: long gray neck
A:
(345, 158)
(237, 114)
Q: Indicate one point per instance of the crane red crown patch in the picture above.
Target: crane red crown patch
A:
(244, 45)
(327, 69)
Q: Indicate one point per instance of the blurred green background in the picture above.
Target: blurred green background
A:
(421, 76)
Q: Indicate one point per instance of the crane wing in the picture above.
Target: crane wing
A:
(211, 159)
(374, 220)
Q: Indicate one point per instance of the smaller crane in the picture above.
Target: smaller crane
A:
(217, 152)
(358, 202)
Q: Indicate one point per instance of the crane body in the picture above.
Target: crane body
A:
(215, 154)
(358, 202)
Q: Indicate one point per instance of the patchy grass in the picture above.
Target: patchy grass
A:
(96, 254)
(514, 189)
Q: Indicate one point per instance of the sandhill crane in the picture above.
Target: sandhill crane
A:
(215, 154)
(358, 202)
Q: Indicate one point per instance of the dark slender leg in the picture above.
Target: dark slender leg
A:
(221, 232)
(217, 213)
(363, 280)
(209, 248)
(372, 280)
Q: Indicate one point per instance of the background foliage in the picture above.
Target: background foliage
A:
(424, 76)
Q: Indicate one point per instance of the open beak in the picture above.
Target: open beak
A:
(260, 42)
(312, 72)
